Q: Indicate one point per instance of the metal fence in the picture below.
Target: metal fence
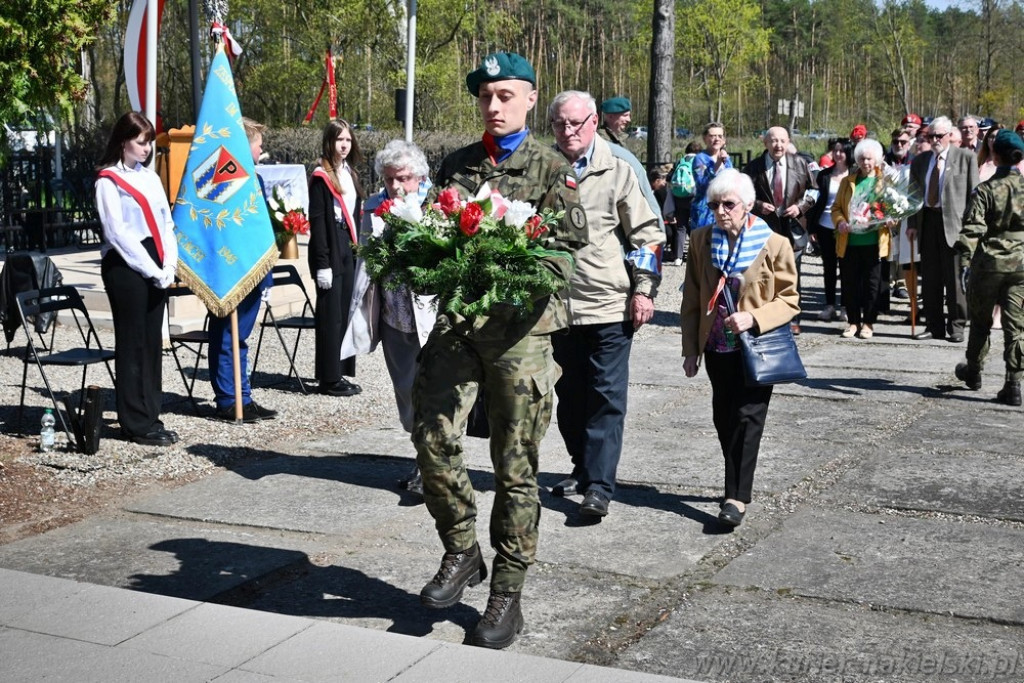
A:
(39, 210)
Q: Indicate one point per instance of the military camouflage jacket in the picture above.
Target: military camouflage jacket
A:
(536, 174)
(993, 226)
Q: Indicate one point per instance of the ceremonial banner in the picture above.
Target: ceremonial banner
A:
(225, 240)
(135, 50)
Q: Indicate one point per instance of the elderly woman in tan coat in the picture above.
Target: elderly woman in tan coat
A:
(742, 253)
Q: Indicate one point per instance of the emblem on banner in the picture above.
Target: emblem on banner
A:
(219, 177)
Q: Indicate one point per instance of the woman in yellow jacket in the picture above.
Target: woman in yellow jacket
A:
(860, 253)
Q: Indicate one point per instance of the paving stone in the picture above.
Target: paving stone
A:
(968, 483)
(893, 562)
(735, 634)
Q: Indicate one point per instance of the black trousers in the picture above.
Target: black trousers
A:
(137, 307)
(940, 272)
(861, 272)
(829, 261)
(739, 413)
(331, 315)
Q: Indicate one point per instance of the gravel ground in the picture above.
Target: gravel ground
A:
(40, 491)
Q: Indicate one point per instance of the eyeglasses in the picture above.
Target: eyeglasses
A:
(569, 127)
(936, 136)
(728, 206)
(900, 141)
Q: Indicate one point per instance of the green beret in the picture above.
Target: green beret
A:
(616, 105)
(501, 66)
(1007, 141)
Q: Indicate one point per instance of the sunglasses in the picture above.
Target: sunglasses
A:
(728, 206)
(936, 136)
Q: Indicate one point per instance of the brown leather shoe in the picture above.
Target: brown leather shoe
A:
(458, 570)
(501, 623)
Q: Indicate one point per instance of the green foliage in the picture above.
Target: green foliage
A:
(40, 42)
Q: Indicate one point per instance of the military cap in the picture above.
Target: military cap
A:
(1020, 126)
(1007, 141)
(911, 118)
(616, 105)
(859, 132)
(501, 66)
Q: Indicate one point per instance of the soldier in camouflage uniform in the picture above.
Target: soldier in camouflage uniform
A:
(993, 230)
(507, 353)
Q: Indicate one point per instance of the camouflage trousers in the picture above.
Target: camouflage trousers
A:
(517, 375)
(985, 290)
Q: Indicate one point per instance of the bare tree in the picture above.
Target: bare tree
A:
(659, 107)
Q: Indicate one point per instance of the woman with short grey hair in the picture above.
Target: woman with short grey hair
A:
(397, 318)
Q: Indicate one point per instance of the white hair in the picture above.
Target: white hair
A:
(868, 146)
(566, 95)
(731, 181)
(942, 122)
(402, 154)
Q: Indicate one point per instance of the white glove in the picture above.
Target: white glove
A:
(166, 278)
(324, 278)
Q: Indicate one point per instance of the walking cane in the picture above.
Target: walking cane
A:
(913, 295)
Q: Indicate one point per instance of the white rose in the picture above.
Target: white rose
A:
(407, 211)
(518, 213)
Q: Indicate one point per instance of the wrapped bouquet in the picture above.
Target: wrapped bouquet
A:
(880, 199)
(286, 216)
(470, 255)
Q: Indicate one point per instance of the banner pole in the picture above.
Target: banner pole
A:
(236, 366)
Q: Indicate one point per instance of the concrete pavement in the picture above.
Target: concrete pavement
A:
(885, 543)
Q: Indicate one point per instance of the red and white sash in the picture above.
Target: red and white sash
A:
(323, 175)
(147, 210)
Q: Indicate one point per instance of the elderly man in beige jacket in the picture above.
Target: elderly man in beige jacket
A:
(611, 295)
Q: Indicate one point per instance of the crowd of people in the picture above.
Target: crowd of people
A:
(743, 236)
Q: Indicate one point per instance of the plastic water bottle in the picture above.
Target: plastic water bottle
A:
(47, 436)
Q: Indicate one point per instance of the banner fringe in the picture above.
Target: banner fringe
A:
(222, 307)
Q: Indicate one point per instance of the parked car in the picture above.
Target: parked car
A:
(640, 133)
(822, 134)
(683, 132)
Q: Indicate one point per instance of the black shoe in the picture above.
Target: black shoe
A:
(340, 388)
(157, 437)
(920, 336)
(249, 414)
(595, 504)
(1010, 394)
(413, 483)
(956, 338)
(972, 378)
(172, 434)
(566, 487)
(458, 570)
(261, 412)
(731, 515)
(501, 623)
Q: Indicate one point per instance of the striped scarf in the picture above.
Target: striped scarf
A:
(749, 244)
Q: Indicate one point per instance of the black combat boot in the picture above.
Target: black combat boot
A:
(458, 570)
(972, 378)
(1009, 394)
(501, 623)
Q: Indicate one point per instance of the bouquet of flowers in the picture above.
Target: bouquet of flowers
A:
(470, 255)
(286, 216)
(879, 200)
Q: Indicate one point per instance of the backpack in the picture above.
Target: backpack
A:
(683, 185)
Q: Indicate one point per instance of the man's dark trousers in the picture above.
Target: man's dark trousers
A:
(592, 393)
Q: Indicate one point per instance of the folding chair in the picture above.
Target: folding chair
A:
(55, 299)
(283, 276)
(191, 341)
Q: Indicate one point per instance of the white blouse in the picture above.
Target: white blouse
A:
(348, 192)
(124, 225)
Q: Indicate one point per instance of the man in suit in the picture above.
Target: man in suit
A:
(969, 133)
(781, 181)
(946, 177)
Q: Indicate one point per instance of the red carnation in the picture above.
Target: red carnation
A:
(385, 207)
(469, 221)
(449, 201)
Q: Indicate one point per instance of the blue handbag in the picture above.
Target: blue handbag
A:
(770, 357)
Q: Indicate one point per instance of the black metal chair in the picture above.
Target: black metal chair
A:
(191, 341)
(65, 298)
(285, 276)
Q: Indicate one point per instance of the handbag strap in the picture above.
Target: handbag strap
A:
(726, 290)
